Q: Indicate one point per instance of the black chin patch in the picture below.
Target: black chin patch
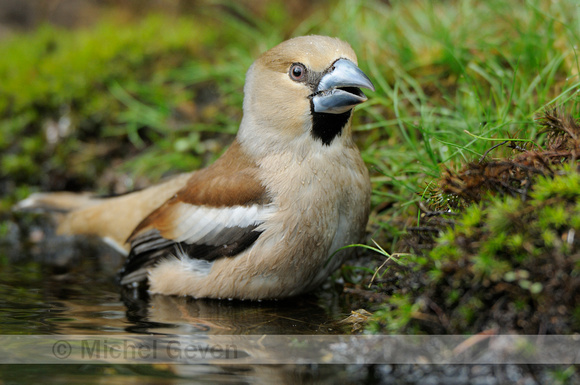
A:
(326, 127)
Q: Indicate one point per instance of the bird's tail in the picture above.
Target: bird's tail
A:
(59, 202)
(112, 218)
(74, 213)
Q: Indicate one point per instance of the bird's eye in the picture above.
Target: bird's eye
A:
(297, 72)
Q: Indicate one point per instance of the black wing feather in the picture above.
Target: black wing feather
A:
(150, 247)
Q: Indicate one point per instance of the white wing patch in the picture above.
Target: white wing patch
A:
(198, 266)
(201, 224)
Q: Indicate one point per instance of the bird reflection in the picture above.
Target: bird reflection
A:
(155, 313)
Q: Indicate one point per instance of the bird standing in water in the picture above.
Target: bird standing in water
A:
(265, 219)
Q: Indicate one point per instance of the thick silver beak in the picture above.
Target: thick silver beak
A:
(338, 90)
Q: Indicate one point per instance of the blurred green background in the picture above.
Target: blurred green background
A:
(112, 95)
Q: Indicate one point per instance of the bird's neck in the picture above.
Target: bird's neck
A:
(321, 132)
(327, 127)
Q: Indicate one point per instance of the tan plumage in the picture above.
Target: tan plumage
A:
(264, 219)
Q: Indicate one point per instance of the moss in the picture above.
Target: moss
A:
(506, 262)
(515, 257)
(74, 103)
(395, 317)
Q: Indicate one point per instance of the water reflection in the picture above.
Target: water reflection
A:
(185, 315)
(67, 285)
(91, 306)
(81, 297)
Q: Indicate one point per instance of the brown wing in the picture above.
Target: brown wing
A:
(215, 215)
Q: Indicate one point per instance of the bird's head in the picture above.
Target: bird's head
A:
(301, 91)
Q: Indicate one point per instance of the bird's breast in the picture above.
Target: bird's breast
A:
(319, 204)
(322, 204)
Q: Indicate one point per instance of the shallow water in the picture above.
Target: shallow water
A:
(41, 306)
(63, 287)
(66, 286)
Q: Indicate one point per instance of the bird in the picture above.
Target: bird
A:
(271, 217)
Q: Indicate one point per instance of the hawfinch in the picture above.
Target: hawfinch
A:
(265, 220)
